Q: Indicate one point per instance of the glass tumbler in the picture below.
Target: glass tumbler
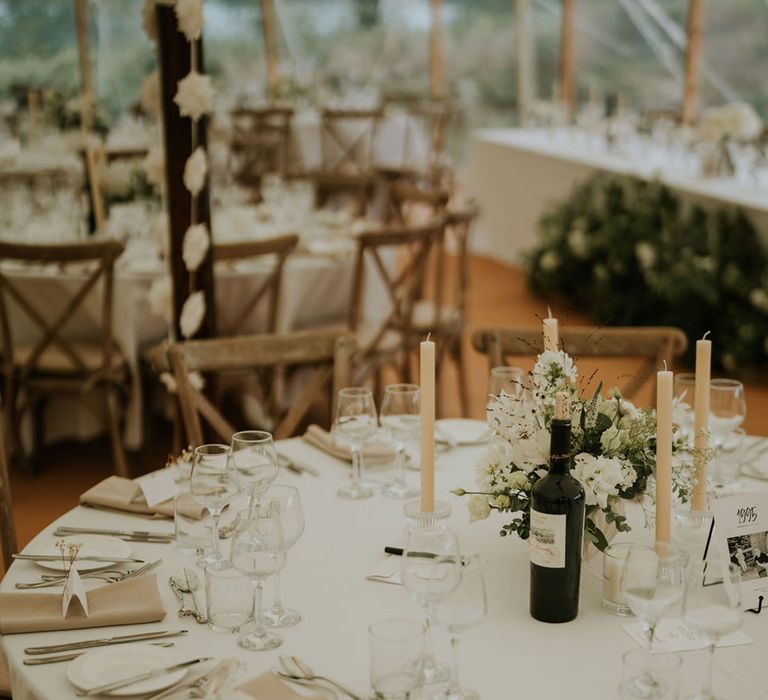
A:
(613, 600)
(397, 647)
(665, 669)
(228, 597)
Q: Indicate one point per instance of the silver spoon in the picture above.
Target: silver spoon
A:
(297, 669)
(187, 581)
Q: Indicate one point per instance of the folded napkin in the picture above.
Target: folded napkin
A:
(130, 602)
(373, 451)
(388, 571)
(119, 493)
(268, 686)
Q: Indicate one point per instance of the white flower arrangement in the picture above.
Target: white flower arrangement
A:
(189, 15)
(192, 314)
(154, 166)
(195, 246)
(195, 170)
(194, 95)
(149, 94)
(736, 120)
(612, 442)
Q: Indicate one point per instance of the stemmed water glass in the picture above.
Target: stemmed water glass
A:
(258, 551)
(653, 583)
(713, 608)
(213, 484)
(355, 423)
(430, 570)
(510, 380)
(400, 418)
(727, 408)
(291, 516)
(256, 462)
(461, 610)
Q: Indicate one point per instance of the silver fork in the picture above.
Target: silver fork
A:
(49, 580)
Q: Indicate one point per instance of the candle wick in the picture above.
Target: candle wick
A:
(429, 335)
(549, 312)
(704, 337)
(665, 365)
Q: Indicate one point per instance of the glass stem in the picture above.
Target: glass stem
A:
(454, 687)
(707, 692)
(258, 627)
(399, 461)
(215, 515)
(429, 654)
(651, 632)
(277, 603)
(356, 467)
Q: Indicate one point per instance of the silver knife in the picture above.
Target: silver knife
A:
(104, 641)
(58, 658)
(66, 530)
(292, 465)
(55, 557)
(141, 677)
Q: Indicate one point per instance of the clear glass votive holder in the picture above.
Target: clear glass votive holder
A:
(228, 597)
(614, 557)
(690, 531)
(727, 462)
(646, 675)
(193, 536)
(438, 517)
(397, 647)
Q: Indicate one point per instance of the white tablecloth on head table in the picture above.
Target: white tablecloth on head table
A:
(509, 655)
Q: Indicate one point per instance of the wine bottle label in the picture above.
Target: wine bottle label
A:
(547, 540)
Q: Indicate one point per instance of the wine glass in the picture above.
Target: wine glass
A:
(256, 462)
(461, 610)
(653, 583)
(713, 608)
(258, 551)
(213, 483)
(355, 423)
(291, 516)
(510, 380)
(430, 570)
(685, 393)
(727, 408)
(400, 417)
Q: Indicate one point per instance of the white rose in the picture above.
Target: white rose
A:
(195, 171)
(192, 314)
(194, 95)
(189, 15)
(613, 440)
(195, 246)
(478, 508)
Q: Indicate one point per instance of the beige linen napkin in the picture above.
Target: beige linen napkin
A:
(268, 686)
(130, 602)
(373, 452)
(118, 493)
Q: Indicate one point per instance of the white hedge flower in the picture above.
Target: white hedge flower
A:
(478, 508)
(646, 254)
(577, 242)
(160, 299)
(154, 166)
(194, 95)
(195, 171)
(602, 477)
(149, 93)
(759, 299)
(189, 14)
(149, 19)
(195, 246)
(192, 314)
(549, 261)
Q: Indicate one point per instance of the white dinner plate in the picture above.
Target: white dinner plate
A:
(92, 546)
(102, 666)
(463, 431)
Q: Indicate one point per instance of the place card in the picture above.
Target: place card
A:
(674, 635)
(74, 590)
(158, 487)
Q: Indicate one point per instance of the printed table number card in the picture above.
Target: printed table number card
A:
(156, 487)
(741, 535)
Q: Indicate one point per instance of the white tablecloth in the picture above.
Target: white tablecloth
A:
(517, 174)
(509, 656)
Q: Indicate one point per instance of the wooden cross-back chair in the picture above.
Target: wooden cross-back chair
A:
(655, 345)
(407, 202)
(57, 362)
(329, 352)
(267, 292)
(396, 258)
(260, 142)
(7, 524)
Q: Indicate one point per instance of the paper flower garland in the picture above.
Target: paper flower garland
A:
(194, 95)
(195, 171)
(149, 94)
(189, 15)
(192, 314)
(154, 166)
(195, 247)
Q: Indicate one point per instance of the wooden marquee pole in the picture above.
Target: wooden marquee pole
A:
(436, 59)
(84, 54)
(268, 23)
(692, 60)
(525, 60)
(567, 87)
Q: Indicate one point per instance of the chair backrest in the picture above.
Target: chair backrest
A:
(98, 260)
(268, 291)
(656, 345)
(402, 275)
(7, 525)
(407, 203)
(260, 141)
(346, 140)
(329, 352)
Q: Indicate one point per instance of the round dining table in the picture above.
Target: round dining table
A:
(509, 655)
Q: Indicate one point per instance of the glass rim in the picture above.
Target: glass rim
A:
(614, 547)
(355, 391)
(723, 384)
(267, 495)
(264, 436)
(212, 449)
(401, 388)
(507, 369)
(417, 629)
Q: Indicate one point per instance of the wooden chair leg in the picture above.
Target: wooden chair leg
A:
(113, 423)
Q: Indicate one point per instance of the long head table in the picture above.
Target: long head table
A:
(509, 655)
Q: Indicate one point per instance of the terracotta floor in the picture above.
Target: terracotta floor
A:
(499, 297)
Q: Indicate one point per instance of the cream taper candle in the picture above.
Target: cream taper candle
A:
(551, 339)
(701, 422)
(663, 455)
(427, 396)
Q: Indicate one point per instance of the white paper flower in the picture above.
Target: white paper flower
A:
(192, 314)
(478, 508)
(189, 14)
(149, 94)
(194, 95)
(154, 166)
(160, 299)
(149, 19)
(160, 233)
(195, 246)
(195, 171)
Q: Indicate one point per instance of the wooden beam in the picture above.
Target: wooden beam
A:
(84, 55)
(174, 61)
(526, 85)
(436, 59)
(567, 87)
(268, 17)
(692, 59)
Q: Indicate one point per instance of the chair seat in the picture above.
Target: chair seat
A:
(54, 361)
(424, 316)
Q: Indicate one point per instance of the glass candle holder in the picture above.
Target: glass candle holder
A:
(614, 557)
(690, 532)
(438, 517)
